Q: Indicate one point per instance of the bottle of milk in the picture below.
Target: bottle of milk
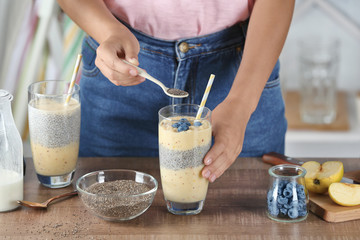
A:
(11, 157)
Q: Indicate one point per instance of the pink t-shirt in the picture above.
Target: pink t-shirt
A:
(175, 19)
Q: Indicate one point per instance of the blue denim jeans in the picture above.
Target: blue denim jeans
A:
(123, 121)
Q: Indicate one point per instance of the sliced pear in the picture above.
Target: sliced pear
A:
(345, 194)
(319, 176)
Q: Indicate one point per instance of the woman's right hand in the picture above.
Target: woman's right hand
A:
(121, 45)
(116, 40)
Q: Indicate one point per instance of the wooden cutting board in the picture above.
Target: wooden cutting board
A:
(324, 207)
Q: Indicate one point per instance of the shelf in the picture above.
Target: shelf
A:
(327, 143)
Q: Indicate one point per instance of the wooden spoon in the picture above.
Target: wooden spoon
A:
(47, 202)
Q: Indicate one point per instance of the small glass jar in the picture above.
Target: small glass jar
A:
(287, 197)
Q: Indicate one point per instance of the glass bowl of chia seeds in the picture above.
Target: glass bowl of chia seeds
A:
(117, 195)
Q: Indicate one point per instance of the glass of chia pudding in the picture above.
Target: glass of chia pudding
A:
(54, 127)
(183, 143)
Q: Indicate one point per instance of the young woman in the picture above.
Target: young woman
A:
(182, 43)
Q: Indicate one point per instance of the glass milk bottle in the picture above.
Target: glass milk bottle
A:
(11, 157)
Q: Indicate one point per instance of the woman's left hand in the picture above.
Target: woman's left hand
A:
(265, 37)
(229, 122)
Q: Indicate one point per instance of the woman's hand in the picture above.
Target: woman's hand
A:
(122, 45)
(269, 20)
(116, 41)
(229, 122)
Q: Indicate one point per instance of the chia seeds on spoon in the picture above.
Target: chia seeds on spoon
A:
(114, 199)
(177, 92)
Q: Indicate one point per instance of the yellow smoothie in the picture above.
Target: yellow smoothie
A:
(181, 160)
(170, 138)
(55, 161)
(54, 136)
(185, 186)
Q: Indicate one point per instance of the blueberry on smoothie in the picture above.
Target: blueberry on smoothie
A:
(197, 123)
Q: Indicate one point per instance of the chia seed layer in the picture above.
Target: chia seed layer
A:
(52, 129)
(175, 159)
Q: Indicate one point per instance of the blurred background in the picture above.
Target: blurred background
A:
(331, 19)
(40, 42)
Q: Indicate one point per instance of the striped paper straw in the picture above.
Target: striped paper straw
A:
(73, 78)
(205, 96)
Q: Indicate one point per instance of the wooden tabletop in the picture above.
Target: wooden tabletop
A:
(234, 208)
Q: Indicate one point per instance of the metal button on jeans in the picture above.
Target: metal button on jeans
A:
(184, 47)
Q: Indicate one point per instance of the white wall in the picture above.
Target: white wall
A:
(331, 18)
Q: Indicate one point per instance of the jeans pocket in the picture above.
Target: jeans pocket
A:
(273, 83)
(88, 51)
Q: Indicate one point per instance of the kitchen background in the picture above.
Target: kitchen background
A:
(32, 31)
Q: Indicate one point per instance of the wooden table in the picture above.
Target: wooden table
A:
(234, 208)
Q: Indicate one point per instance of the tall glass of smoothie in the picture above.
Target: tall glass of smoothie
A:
(183, 143)
(54, 126)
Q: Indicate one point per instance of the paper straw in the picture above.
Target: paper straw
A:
(205, 96)
(73, 79)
